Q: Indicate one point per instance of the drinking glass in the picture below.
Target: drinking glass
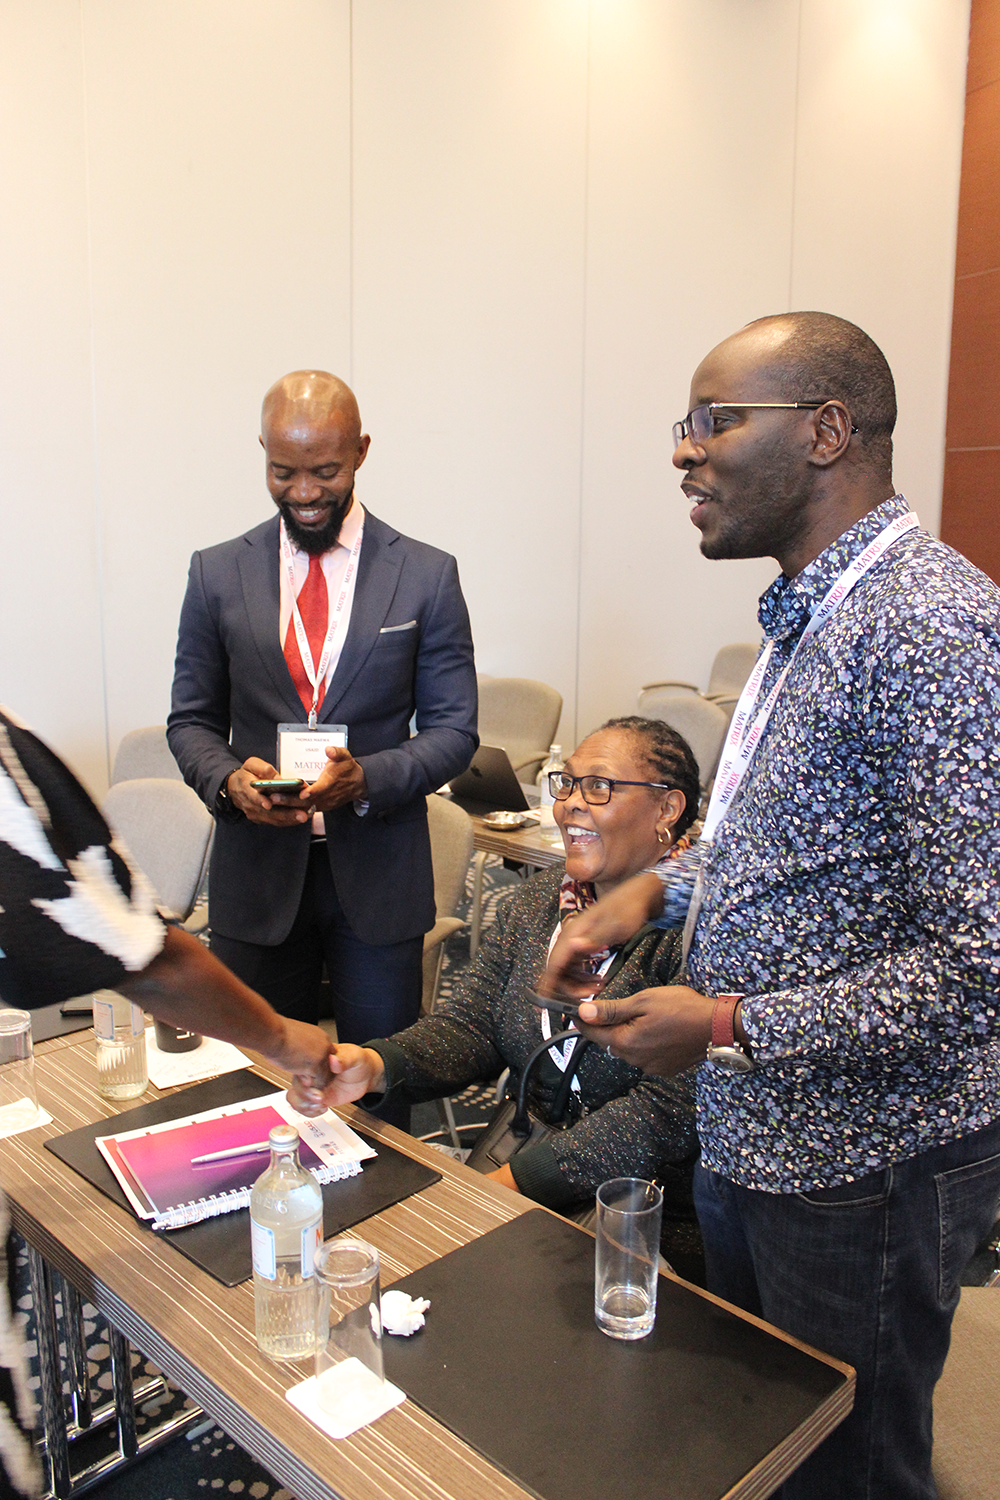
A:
(349, 1376)
(626, 1268)
(18, 1099)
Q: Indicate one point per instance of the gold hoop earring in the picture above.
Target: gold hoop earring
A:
(659, 837)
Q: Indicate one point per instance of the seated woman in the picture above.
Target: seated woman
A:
(624, 801)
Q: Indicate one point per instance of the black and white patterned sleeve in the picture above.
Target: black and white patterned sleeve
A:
(75, 913)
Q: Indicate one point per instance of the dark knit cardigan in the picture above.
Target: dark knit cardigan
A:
(637, 1125)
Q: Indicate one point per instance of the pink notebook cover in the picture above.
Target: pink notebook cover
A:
(161, 1161)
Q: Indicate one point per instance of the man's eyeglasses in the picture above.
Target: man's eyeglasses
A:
(596, 789)
(699, 424)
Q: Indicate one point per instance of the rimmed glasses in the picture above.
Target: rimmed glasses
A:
(699, 424)
(596, 790)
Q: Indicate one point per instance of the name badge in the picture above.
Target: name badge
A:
(302, 751)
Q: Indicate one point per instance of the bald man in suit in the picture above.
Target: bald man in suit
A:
(339, 873)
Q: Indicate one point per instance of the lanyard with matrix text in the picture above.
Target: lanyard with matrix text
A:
(747, 727)
(317, 675)
(741, 742)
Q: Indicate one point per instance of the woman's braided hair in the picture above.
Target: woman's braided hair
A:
(670, 759)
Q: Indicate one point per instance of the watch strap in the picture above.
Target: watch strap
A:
(723, 1015)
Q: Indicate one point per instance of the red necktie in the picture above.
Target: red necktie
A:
(314, 607)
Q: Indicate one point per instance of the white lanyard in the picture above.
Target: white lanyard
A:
(741, 741)
(317, 675)
(561, 1056)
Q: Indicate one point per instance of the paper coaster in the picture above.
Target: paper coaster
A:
(359, 1398)
(18, 1117)
(167, 1069)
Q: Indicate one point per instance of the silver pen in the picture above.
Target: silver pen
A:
(250, 1150)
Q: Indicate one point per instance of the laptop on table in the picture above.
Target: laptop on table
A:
(490, 785)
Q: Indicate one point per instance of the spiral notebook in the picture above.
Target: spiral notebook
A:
(160, 1174)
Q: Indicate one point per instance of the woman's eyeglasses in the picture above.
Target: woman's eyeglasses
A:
(596, 790)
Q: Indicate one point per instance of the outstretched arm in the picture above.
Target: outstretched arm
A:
(188, 987)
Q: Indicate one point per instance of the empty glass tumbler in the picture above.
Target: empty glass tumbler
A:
(626, 1269)
(349, 1376)
(18, 1099)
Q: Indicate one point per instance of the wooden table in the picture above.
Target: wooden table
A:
(525, 845)
(200, 1333)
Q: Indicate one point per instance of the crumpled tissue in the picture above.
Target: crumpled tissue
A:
(402, 1314)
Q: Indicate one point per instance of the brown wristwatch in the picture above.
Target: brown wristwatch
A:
(724, 1050)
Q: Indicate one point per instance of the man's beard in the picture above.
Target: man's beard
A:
(315, 540)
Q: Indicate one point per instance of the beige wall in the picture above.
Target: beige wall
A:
(514, 225)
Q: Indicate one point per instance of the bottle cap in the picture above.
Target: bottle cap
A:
(282, 1137)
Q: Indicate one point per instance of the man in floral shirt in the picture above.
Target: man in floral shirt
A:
(843, 909)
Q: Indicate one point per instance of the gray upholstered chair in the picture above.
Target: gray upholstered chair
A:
(521, 715)
(168, 831)
(730, 670)
(145, 752)
(451, 850)
(702, 723)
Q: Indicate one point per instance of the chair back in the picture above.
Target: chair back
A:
(703, 724)
(145, 752)
(731, 668)
(521, 715)
(168, 831)
(451, 834)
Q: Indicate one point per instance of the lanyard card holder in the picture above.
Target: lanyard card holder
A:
(302, 750)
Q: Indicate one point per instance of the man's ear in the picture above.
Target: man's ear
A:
(832, 427)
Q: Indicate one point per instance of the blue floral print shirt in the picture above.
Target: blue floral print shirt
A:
(852, 892)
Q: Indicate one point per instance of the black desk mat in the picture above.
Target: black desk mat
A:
(48, 1021)
(221, 1246)
(511, 1361)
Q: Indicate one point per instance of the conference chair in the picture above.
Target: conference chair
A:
(145, 752)
(521, 715)
(702, 723)
(730, 670)
(451, 849)
(168, 831)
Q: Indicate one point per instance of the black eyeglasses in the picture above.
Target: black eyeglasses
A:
(699, 424)
(596, 790)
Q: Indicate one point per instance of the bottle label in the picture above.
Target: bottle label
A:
(312, 1238)
(104, 1019)
(138, 1020)
(262, 1248)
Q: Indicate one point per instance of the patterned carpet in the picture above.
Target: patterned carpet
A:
(205, 1461)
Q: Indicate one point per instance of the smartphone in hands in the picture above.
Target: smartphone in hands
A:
(557, 1007)
(285, 784)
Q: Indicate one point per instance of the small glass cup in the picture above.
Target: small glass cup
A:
(350, 1382)
(18, 1097)
(626, 1268)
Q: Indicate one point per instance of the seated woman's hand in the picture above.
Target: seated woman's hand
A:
(356, 1071)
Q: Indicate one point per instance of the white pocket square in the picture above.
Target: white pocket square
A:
(388, 629)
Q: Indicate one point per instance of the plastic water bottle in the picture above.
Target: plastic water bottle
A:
(286, 1228)
(546, 803)
(120, 1029)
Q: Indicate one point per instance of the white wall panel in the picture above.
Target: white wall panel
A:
(220, 201)
(691, 170)
(881, 112)
(52, 671)
(469, 192)
(515, 225)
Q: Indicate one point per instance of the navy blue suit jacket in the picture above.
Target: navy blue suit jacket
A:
(232, 688)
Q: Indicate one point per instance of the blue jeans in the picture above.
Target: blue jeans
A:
(868, 1272)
